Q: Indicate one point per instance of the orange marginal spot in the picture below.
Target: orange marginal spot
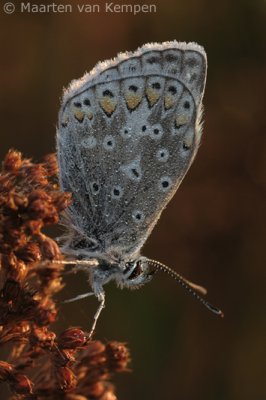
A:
(152, 95)
(79, 115)
(169, 101)
(188, 139)
(133, 100)
(90, 115)
(181, 120)
(108, 105)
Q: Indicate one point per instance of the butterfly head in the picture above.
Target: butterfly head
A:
(136, 273)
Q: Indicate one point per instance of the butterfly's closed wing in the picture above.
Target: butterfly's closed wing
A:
(128, 132)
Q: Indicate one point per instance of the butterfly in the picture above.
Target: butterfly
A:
(128, 132)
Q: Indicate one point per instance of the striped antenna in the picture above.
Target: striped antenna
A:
(192, 288)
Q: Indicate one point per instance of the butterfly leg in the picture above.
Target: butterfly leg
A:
(101, 298)
(79, 297)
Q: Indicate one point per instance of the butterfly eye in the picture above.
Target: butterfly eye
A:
(137, 271)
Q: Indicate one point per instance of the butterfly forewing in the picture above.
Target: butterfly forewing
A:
(128, 133)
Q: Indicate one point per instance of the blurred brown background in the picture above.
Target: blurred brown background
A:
(213, 231)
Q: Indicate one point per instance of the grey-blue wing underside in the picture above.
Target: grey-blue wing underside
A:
(127, 134)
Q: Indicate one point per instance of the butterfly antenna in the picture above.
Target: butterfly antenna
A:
(190, 287)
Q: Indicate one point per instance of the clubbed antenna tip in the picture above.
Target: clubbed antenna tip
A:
(192, 288)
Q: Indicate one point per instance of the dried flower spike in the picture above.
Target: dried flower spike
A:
(42, 365)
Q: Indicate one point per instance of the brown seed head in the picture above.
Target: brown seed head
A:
(71, 338)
